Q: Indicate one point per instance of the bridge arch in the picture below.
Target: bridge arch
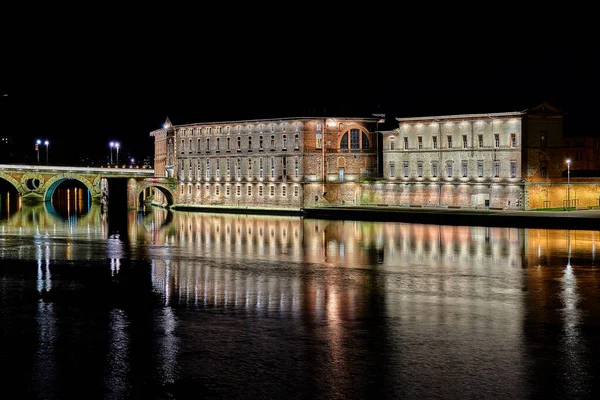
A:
(51, 184)
(13, 182)
(164, 189)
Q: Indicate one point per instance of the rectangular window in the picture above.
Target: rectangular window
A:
(283, 167)
(199, 170)
(296, 142)
(249, 143)
(238, 168)
(434, 170)
(189, 189)
(272, 167)
(513, 169)
(190, 146)
(420, 143)
(544, 172)
(198, 145)
(260, 143)
(420, 170)
(283, 142)
(207, 169)
(182, 188)
(480, 141)
(319, 141)
(449, 142)
(405, 143)
(228, 167)
(513, 140)
(496, 169)
(392, 169)
(217, 189)
(449, 169)
(496, 140)
(480, 169)
(260, 190)
(272, 191)
(392, 143)
(218, 149)
(434, 142)
(218, 168)
(249, 167)
(465, 141)
(182, 146)
(405, 170)
(296, 191)
(238, 190)
(239, 143)
(283, 191)
(464, 169)
(272, 142)
(249, 190)
(208, 145)
(296, 165)
(260, 167)
(319, 127)
(228, 143)
(227, 190)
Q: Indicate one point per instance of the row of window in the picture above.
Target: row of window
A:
(450, 171)
(238, 144)
(237, 165)
(238, 190)
(465, 143)
(237, 129)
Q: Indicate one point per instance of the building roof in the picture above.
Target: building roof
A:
(462, 116)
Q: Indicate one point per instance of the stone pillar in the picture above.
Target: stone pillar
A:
(132, 192)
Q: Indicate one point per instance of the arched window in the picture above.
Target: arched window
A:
(355, 140)
(344, 142)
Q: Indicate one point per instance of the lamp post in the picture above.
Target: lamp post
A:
(47, 143)
(568, 183)
(37, 149)
(111, 145)
(117, 145)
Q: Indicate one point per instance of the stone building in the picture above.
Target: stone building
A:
(499, 160)
(471, 160)
(550, 180)
(274, 163)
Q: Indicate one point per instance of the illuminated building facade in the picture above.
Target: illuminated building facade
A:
(272, 163)
(469, 160)
(511, 160)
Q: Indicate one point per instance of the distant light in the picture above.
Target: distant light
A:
(46, 143)
(38, 141)
(568, 161)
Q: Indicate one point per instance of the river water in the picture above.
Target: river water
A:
(177, 305)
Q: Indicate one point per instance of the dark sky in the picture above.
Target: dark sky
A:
(90, 82)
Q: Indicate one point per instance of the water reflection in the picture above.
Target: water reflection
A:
(343, 308)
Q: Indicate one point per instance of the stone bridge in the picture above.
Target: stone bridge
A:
(36, 184)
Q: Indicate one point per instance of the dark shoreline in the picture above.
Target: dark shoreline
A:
(584, 220)
(581, 219)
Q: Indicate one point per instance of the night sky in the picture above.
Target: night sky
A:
(86, 84)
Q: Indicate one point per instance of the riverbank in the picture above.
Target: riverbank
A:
(576, 219)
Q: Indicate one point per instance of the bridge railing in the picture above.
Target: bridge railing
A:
(93, 170)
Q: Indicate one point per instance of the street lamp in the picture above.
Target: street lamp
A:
(37, 149)
(117, 145)
(568, 183)
(47, 143)
(111, 145)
